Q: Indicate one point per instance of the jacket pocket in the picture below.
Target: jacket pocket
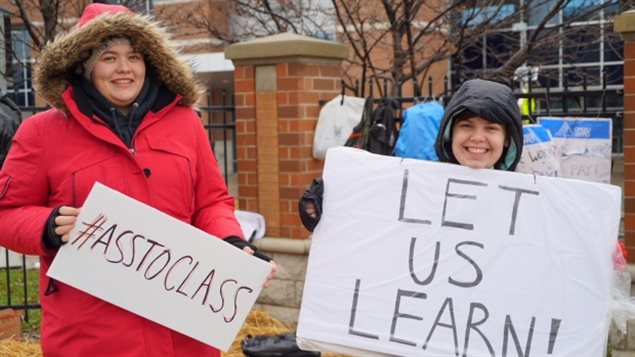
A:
(172, 177)
(79, 180)
(5, 181)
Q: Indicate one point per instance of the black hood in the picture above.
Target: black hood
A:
(489, 100)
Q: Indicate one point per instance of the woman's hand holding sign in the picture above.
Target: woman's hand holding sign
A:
(274, 266)
(65, 222)
(65, 218)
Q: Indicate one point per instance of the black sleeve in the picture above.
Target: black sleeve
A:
(51, 239)
(312, 194)
(241, 243)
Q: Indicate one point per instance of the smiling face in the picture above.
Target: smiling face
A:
(119, 74)
(478, 143)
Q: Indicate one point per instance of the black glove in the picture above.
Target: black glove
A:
(314, 195)
(280, 345)
(51, 239)
(241, 243)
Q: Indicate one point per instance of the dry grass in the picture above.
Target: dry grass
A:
(15, 348)
(257, 323)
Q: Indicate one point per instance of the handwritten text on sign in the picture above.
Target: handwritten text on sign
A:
(160, 268)
(540, 155)
(423, 258)
(584, 146)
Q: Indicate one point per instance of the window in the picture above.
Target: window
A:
(613, 47)
(587, 41)
(582, 45)
(489, 14)
(581, 10)
(538, 10)
(500, 46)
(546, 51)
(20, 88)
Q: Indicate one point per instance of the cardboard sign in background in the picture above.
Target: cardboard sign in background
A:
(584, 146)
(540, 155)
(430, 259)
(177, 275)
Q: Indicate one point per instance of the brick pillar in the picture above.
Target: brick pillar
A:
(279, 81)
(625, 24)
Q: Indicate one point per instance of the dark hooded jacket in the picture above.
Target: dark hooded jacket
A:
(10, 118)
(57, 155)
(489, 100)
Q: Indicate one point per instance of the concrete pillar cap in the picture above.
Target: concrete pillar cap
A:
(286, 45)
(624, 22)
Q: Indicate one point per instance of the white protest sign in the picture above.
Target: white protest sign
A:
(420, 258)
(160, 268)
(585, 146)
(540, 154)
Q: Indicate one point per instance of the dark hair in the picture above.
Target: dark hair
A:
(464, 115)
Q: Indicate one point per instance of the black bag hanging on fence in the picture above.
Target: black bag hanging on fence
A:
(359, 136)
(378, 130)
(385, 129)
(282, 345)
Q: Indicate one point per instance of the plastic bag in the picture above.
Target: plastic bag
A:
(623, 308)
(335, 123)
(282, 345)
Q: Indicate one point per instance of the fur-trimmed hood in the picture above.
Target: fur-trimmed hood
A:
(99, 22)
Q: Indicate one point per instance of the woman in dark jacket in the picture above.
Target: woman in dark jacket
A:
(10, 118)
(481, 128)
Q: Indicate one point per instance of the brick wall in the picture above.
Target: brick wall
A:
(279, 81)
(625, 24)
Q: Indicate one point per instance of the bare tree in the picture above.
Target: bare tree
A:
(399, 41)
(42, 20)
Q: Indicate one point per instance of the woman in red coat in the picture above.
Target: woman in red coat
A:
(122, 116)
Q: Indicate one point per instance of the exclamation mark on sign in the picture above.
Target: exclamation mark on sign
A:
(555, 325)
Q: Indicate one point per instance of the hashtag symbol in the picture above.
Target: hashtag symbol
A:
(90, 229)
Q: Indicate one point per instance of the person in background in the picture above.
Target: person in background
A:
(122, 115)
(10, 119)
(481, 128)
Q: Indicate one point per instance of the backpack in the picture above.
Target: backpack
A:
(419, 131)
(378, 129)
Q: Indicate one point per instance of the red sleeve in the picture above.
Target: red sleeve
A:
(214, 207)
(24, 192)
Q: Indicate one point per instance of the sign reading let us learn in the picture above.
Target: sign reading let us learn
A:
(160, 268)
(420, 258)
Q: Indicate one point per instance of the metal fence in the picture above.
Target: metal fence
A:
(219, 119)
(569, 100)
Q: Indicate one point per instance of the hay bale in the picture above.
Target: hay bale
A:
(15, 348)
(258, 322)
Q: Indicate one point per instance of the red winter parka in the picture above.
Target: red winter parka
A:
(58, 155)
